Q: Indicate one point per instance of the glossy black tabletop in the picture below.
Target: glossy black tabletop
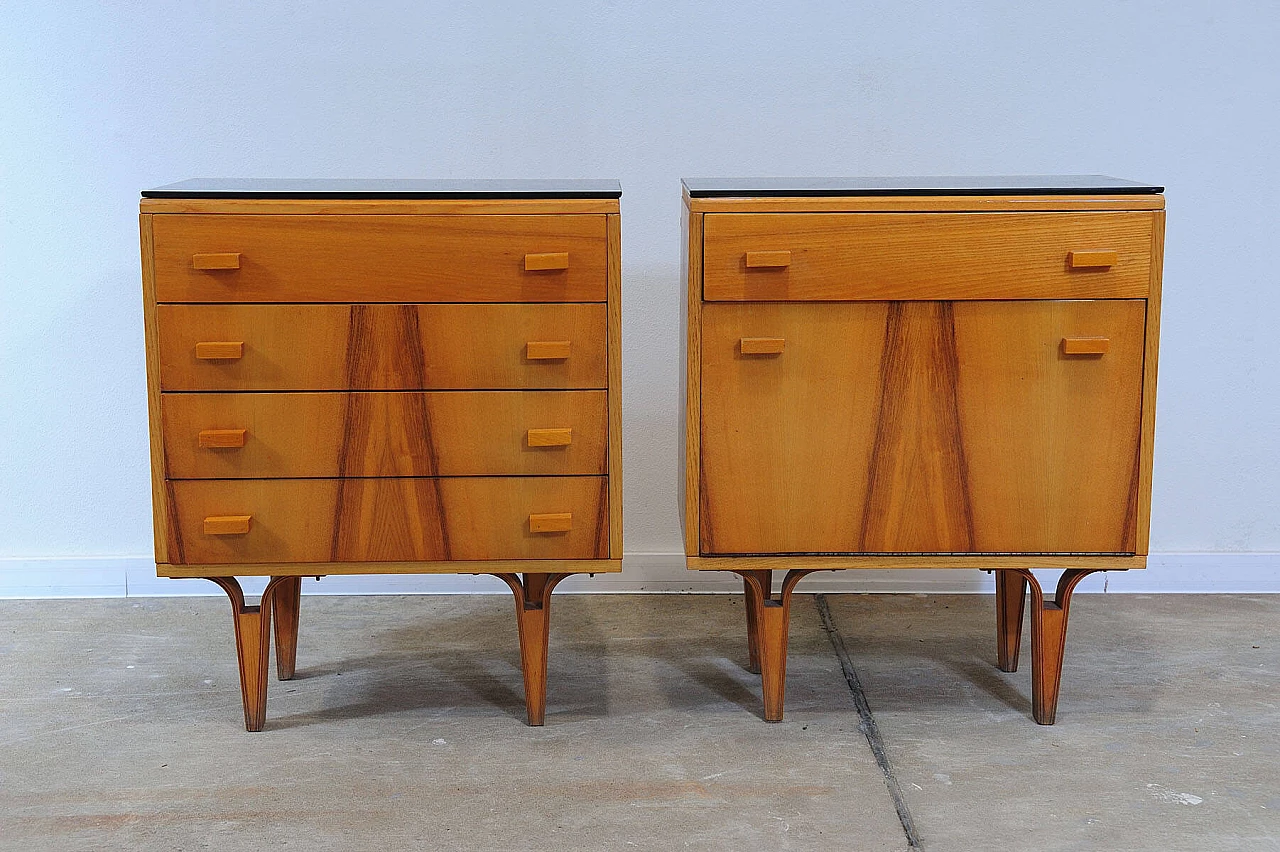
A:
(396, 188)
(1007, 185)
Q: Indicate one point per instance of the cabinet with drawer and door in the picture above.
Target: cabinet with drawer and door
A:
(932, 374)
(359, 377)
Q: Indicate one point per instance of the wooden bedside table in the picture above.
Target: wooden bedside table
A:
(359, 377)
(924, 373)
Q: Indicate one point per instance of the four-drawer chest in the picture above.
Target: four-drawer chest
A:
(351, 377)
(925, 373)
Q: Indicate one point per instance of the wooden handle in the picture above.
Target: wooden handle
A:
(553, 523)
(220, 439)
(768, 259)
(1085, 345)
(546, 350)
(762, 345)
(220, 350)
(227, 524)
(546, 260)
(218, 260)
(549, 437)
(1092, 259)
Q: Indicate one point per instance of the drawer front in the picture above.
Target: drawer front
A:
(921, 427)
(406, 433)
(381, 347)
(377, 258)
(388, 520)
(857, 256)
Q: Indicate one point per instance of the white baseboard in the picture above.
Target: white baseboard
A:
(652, 573)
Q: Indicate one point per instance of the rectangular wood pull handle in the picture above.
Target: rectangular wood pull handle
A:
(221, 439)
(768, 259)
(546, 261)
(549, 437)
(552, 523)
(1085, 345)
(220, 350)
(1092, 259)
(216, 260)
(762, 345)
(546, 350)
(226, 524)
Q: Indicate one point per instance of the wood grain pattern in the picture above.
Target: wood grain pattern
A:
(533, 620)
(926, 256)
(967, 561)
(691, 381)
(613, 232)
(374, 258)
(924, 204)
(920, 427)
(388, 520)
(783, 439)
(381, 347)
(253, 645)
(310, 569)
(285, 615)
(1149, 371)
(161, 520)
(384, 206)
(456, 433)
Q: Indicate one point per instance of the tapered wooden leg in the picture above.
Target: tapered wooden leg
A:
(533, 618)
(1048, 641)
(288, 599)
(753, 628)
(1011, 600)
(772, 621)
(253, 647)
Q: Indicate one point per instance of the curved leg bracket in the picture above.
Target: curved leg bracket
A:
(1048, 633)
(533, 619)
(768, 623)
(253, 643)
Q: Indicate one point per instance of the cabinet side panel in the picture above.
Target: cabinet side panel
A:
(1146, 452)
(690, 380)
(614, 356)
(159, 499)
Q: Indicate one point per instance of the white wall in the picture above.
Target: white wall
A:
(98, 101)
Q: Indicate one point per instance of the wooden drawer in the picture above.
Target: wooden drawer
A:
(921, 427)
(874, 256)
(380, 258)
(404, 433)
(388, 520)
(382, 347)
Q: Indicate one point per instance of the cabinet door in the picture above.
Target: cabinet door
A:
(921, 427)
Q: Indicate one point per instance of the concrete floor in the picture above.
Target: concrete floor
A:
(404, 729)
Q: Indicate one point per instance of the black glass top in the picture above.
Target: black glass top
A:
(1015, 185)
(396, 188)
